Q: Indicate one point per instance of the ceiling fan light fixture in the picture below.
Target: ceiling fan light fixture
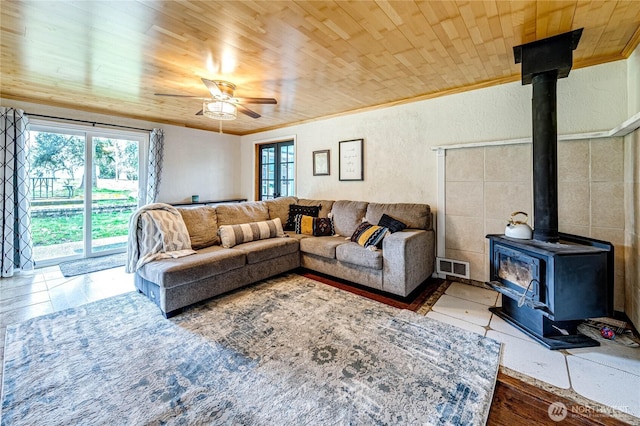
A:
(219, 110)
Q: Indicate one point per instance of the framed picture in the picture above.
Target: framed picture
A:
(321, 163)
(351, 160)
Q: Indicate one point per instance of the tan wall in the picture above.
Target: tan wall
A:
(484, 185)
(632, 226)
(399, 162)
(195, 161)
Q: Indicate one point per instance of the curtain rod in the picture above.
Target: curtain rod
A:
(93, 123)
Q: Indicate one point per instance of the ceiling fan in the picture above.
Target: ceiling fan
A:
(223, 105)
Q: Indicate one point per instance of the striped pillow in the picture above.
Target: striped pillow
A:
(232, 235)
(368, 235)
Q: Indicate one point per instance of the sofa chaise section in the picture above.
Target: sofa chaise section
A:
(404, 262)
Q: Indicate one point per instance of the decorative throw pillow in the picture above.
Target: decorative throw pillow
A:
(296, 209)
(304, 224)
(368, 235)
(232, 235)
(323, 227)
(316, 226)
(394, 225)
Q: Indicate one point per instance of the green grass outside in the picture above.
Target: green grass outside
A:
(65, 229)
(48, 231)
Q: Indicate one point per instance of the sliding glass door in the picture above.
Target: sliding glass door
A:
(114, 191)
(84, 188)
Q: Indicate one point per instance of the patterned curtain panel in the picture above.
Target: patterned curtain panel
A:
(17, 245)
(156, 148)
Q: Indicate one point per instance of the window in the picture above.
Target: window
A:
(276, 170)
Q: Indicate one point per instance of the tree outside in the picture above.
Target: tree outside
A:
(54, 153)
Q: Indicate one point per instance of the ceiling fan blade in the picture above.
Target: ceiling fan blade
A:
(199, 113)
(213, 87)
(179, 96)
(243, 109)
(263, 101)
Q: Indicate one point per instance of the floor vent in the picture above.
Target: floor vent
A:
(455, 268)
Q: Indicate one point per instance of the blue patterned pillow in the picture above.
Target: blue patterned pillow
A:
(368, 235)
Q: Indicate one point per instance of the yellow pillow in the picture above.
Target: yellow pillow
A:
(304, 224)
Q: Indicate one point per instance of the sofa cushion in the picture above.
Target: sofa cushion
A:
(368, 235)
(357, 255)
(416, 216)
(294, 210)
(292, 234)
(279, 207)
(325, 208)
(394, 225)
(316, 226)
(206, 263)
(321, 246)
(258, 251)
(231, 235)
(347, 215)
(234, 214)
(202, 225)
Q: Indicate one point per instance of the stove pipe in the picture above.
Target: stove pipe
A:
(543, 63)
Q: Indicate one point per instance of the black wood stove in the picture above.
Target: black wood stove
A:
(553, 282)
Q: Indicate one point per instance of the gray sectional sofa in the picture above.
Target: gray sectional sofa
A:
(405, 260)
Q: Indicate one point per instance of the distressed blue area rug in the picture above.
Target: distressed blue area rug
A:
(287, 351)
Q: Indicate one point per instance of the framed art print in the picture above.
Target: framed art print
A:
(351, 160)
(321, 164)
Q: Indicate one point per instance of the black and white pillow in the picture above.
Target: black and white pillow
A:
(296, 209)
(394, 225)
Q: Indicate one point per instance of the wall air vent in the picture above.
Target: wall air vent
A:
(454, 268)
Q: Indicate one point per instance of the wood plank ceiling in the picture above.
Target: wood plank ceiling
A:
(317, 58)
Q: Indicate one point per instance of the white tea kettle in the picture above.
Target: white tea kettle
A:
(517, 228)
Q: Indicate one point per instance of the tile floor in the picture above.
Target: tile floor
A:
(608, 375)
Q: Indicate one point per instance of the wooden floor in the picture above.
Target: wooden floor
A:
(412, 302)
(518, 403)
(515, 402)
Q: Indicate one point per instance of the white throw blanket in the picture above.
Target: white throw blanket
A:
(156, 231)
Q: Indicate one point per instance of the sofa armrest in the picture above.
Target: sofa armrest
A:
(408, 260)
